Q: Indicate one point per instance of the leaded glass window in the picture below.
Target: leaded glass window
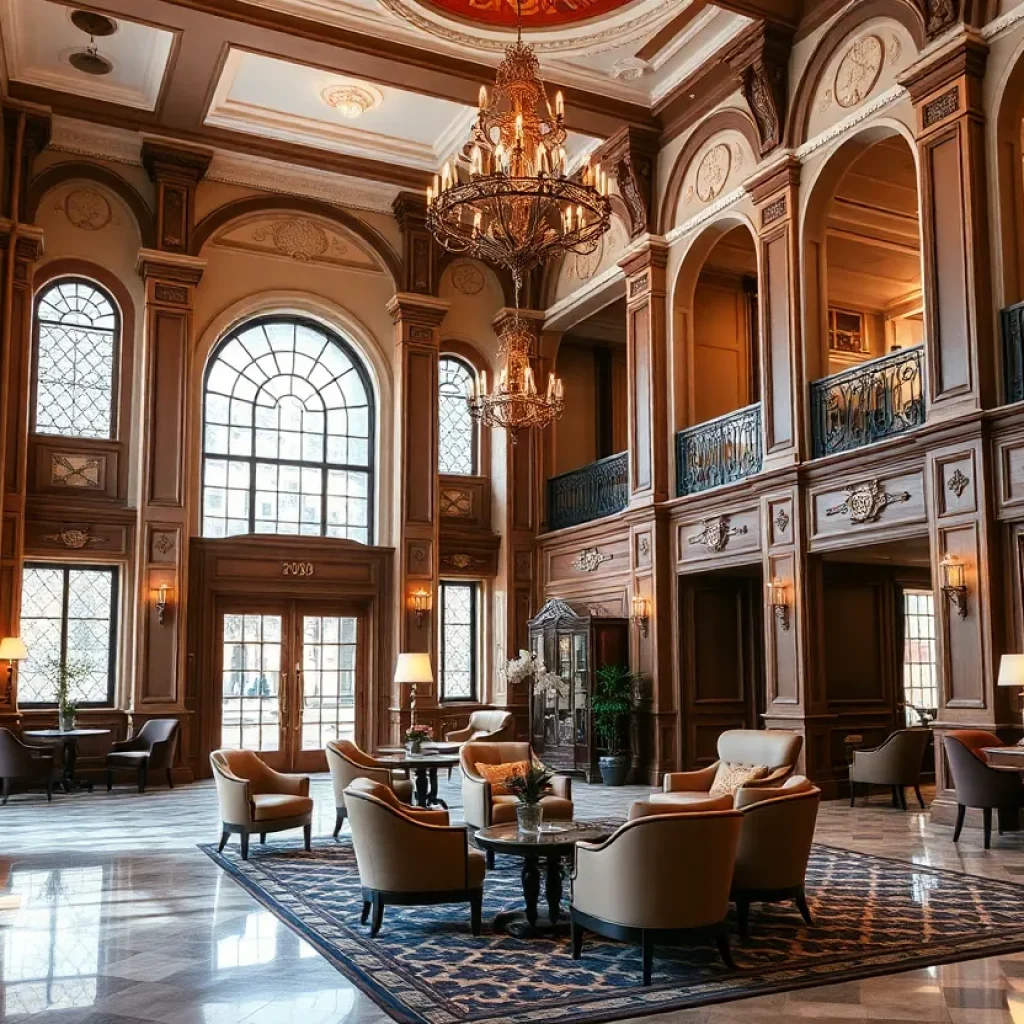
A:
(78, 335)
(288, 430)
(459, 641)
(920, 679)
(456, 439)
(68, 616)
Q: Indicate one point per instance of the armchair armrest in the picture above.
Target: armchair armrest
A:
(690, 782)
(476, 800)
(234, 796)
(132, 744)
(294, 785)
(459, 735)
(561, 785)
(429, 816)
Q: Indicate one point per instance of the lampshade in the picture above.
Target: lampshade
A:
(12, 648)
(1011, 670)
(413, 668)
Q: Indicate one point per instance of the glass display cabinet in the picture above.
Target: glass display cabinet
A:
(573, 646)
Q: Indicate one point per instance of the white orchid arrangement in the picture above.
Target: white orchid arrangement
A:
(528, 666)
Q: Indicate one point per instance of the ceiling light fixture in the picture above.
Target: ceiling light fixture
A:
(351, 100)
(90, 61)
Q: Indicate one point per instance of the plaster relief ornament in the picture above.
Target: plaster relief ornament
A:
(468, 278)
(866, 502)
(958, 483)
(895, 49)
(713, 172)
(858, 71)
(590, 560)
(75, 540)
(715, 533)
(297, 237)
(87, 209)
(587, 263)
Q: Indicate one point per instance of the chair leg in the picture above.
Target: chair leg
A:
(49, 791)
(903, 797)
(801, 905)
(743, 917)
(576, 936)
(110, 779)
(170, 779)
(7, 789)
(961, 811)
(647, 951)
(917, 793)
(307, 837)
(724, 951)
(378, 914)
(245, 846)
(853, 791)
(339, 820)
(365, 916)
(263, 839)
(223, 842)
(490, 860)
(476, 906)
(143, 773)
(895, 797)
(986, 814)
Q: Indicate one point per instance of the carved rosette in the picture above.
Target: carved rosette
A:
(865, 503)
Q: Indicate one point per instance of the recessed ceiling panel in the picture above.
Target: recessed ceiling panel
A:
(536, 13)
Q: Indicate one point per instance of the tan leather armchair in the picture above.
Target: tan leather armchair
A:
(493, 726)
(22, 762)
(662, 878)
(255, 798)
(777, 750)
(895, 763)
(410, 857)
(348, 763)
(775, 844)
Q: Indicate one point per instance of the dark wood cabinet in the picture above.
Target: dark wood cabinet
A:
(573, 646)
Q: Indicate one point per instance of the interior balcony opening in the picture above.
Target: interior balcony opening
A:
(720, 408)
(590, 440)
(876, 634)
(721, 658)
(870, 352)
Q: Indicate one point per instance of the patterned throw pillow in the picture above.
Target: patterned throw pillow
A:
(498, 774)
(730, 777)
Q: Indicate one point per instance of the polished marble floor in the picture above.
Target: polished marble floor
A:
(110, 915)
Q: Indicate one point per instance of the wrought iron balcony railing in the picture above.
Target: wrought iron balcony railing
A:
(590, 492)
(721, 451)
(1012, 322)
(872, 401)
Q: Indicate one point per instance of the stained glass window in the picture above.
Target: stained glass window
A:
(78, 332)
(288, 425)
(459, 643)
(68, 616)
(456, 439)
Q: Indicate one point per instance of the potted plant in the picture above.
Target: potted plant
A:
(612, 706)
(416, 736)
(67, 675)
(530, 787)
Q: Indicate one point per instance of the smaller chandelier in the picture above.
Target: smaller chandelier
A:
(515, 403)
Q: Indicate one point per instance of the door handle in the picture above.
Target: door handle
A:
(297, 724)
(283, 699)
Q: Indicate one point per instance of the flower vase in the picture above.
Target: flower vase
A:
(529, 817)
(415, 746)
(66, 722)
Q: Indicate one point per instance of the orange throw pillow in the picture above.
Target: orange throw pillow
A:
(498, 774)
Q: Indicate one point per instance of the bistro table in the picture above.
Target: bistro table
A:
(555, 843)
(425, 766)
(69, 741)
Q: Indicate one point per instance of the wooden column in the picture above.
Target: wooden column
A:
(775, 192)
(164, 513)
(960, 336)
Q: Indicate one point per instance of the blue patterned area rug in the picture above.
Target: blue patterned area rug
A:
(873, 915)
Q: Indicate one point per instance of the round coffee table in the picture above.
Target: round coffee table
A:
(69, 741)
(425, 766)
(556, 843)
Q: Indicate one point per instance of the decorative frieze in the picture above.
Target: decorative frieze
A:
(590, 560)
(865, 503)
(715, 533)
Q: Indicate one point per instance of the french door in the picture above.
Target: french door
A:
(292, 677)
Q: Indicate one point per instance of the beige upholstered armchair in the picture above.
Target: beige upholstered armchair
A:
(895, 763)
(484, 805)
(255, 798)
(774, 751)
(662, 878)
(410, 857)
(485, 727)
(348, 763)
(775, 844)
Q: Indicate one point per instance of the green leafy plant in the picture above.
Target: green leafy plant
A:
(67, 675)
(612, 706)
(531, 785)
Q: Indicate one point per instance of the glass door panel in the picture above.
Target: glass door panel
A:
(328, 679)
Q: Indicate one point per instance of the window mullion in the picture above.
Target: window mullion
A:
(64, 605)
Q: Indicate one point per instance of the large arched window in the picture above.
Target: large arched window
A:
(77, 340)
(288, 427)
(456, 439)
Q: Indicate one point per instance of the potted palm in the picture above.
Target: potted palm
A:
(612, 706)
(530, 786)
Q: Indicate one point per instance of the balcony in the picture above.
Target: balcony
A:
(720, 451)
(875, 400)
(588, 493)
(1012, 323)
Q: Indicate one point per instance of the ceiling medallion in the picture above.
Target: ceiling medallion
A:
(713, 172)
(352, 100)
(629, 69)
(866, 502)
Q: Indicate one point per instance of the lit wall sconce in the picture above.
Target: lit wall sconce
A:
(641, 613)
(954, 583)
(12, 649)
(161, 600)
(420, 603)
(778, 600)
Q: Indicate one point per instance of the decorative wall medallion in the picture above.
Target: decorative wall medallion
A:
(715, 533)
(587, 263)
(645, 545)
(858, 71)
(87, 209)
(468, 278)
(782, 521)
(895, 50)
(958, 483)
(77, 471)
(597, 611)
(459, 561)
(297, 237)
(455, 503)
(75, 540)
(590, 560)
(866, 502)
(163, 543)
(712, 172)
(417, 555)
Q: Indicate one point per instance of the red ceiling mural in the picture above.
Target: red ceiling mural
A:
(536, 13)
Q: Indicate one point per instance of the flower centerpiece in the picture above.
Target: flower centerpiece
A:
(528, 667)
(529, 787)
(416, 736)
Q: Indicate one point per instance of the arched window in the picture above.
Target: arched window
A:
(456, 439)
(78, 336)
(288, 427)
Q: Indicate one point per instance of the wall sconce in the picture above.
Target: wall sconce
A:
(954, 583)
(641, 613)
(778, 601)
(419, 603)
(12, 649)
(161, 599)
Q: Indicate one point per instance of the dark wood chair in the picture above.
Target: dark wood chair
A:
(895, 763)
(977, 783)
(20, 762)
(151, 749)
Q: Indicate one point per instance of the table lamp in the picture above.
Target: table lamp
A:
(1011, 673)
(413, 668)
(12, 649)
